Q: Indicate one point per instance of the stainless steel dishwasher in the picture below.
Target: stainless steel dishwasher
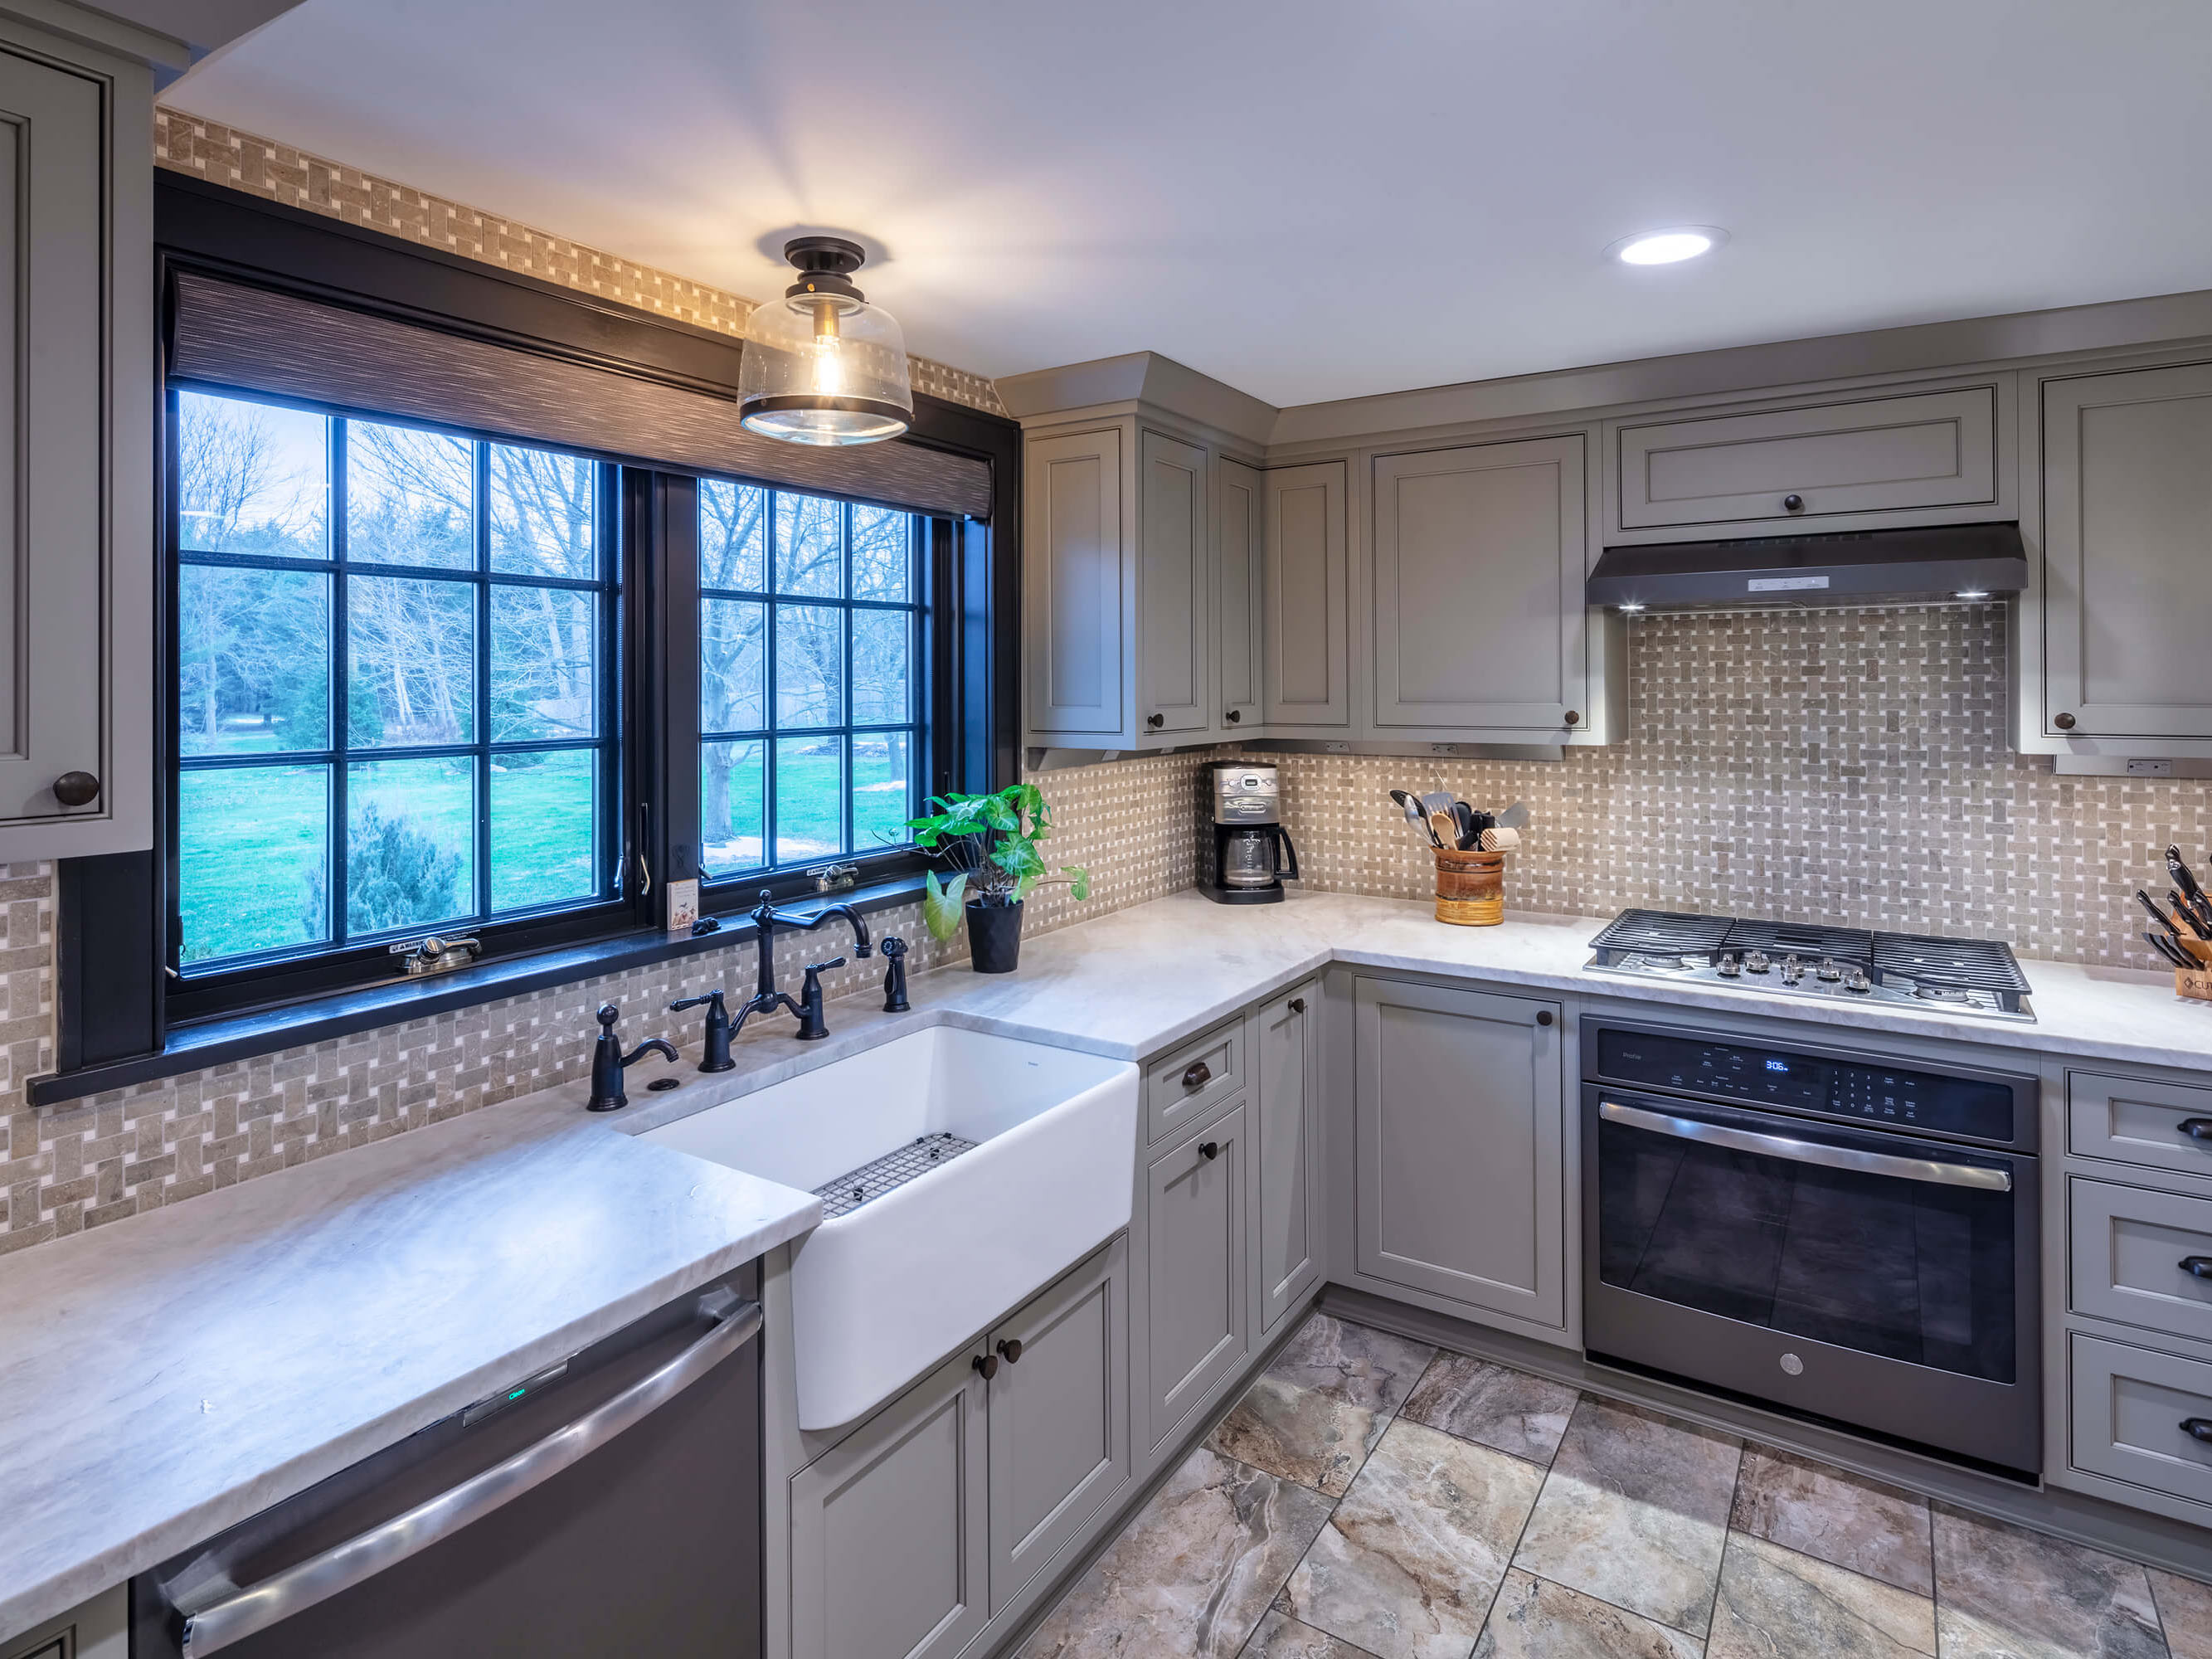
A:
(611, 1504)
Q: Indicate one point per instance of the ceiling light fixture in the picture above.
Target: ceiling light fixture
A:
(1668, 247)
(822, 366)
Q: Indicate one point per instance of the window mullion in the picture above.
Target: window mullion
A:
(337, 805)
(481, 533)
(847, 758)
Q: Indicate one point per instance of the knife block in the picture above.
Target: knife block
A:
(2195, 983)
(1470, 888)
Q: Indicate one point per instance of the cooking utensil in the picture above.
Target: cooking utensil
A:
(1444, 827)
(1500, 839)
(1410, 804)
(1438, 800)
(2166, 948)
(1469, 836)
(1515, 816)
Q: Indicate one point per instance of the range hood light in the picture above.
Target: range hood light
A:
(1668, 247)
(821, 365)
(1629, 607)
(1971, 593)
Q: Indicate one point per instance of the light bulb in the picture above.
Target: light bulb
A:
(829, 366)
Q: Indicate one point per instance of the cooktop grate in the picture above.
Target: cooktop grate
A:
(889, 1173)
(1668, 933)
(1983, 963)
(1808, 941)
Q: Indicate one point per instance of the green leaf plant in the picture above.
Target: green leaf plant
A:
(987, 845)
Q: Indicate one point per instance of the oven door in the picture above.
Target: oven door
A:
(1884, 1281)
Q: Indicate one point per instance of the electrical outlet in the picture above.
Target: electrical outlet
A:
(2150, 769)
(682, 906)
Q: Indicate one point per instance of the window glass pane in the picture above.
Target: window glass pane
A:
(881, 669)
(411, 843)
(881, 790)
(732, 536)
(810, 799)
(542, 512)
(806, 546)
(251, 478)
(810, 665)
(733, 665)
(544, 817)
(253, 659)
(883, 562)
(412, 661)
(252, 849)
(410, 496)
(730, 806)
(544, 653)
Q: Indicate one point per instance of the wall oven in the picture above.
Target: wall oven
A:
(1817, 1228)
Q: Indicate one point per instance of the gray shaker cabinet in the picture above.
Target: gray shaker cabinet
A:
(1308, 663)
(1458, 1133)
(1175, 577)
(76, 513)
(1240, 566)
(1287, 1166)
(1076, 625)
(889, 1535)
(1059, 1417)
(2127, 558)
(1480, 556)
(1197, 1302)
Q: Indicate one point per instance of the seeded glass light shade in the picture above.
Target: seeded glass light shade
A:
(821, 365)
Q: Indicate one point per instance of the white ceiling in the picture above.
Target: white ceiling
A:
(1307, 200)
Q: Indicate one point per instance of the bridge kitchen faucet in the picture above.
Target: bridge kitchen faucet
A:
(766, 998)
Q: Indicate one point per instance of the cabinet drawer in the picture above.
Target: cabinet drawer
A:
(2132, 1411)
(2164, 1125)
(2141, 1257)
(1879, 454)
(1186, 1083)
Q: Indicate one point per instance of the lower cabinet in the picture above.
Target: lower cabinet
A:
(1286, 1169)
(98, 1629)
(910, 1532)
(1457, 1117)
(1198, 1306)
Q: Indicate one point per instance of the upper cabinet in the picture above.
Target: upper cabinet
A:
(1079, 584)
(1240, 569)
(1308, 594)
(2126, 571)
(76, 434)
(1175, 582)
(1480, 556)
(1923, 456)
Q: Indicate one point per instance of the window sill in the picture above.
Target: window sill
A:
(195, 1045)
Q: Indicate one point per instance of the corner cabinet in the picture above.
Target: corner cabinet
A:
(76, 460)
(1285, 1197)
(1308, 602)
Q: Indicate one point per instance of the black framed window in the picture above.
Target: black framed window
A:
(396, 687)
(811, 616)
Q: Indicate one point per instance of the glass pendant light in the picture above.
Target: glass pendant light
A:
(821, 365)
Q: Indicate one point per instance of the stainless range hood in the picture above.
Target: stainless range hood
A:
(1965, 561)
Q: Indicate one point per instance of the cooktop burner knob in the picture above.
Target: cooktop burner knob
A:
(1828, 971)
(1756, 962)
(1727, 965)
(1858, 980)
(1792, 969)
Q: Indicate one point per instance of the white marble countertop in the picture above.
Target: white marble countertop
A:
(165, 1377)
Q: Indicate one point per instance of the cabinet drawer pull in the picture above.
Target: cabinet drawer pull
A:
(986, 1365)
(1297, 1004)
(2196, 1266)
(2196, 1128)
(1209, 1150)
(2198, 1428)
(2063, 722)
(76, 788)
(1793, 503)
(1011, 1351)
(1197, 1074)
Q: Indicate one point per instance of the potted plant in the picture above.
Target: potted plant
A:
(990, 845)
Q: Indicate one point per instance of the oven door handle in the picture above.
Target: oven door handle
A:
(1807, 1152)
(240, 1614)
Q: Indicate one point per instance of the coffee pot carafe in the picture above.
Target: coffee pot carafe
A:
(1252, 852)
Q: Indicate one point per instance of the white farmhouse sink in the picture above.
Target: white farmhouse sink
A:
(882, 1293)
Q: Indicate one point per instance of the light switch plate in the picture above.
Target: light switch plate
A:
(682, 906)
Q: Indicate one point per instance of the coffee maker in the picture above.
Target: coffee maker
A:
(1252, 851)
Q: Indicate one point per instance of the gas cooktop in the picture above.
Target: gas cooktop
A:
(1836, 964)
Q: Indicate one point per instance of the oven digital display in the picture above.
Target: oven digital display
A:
(1874, 1094)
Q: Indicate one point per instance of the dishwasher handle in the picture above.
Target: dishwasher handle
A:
(234, 1617)
(1808, 1152)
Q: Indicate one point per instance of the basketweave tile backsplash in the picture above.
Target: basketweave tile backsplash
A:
(68, 1168)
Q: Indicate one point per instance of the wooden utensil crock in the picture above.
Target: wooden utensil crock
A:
(1470, 888)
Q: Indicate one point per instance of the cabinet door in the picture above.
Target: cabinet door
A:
(1074, 628)
(2127, 564)
(1479, 570)
(1457, 1115)
(1060, 1418)
(889, 1540)
(70, 689)
(1876, 454)
(97, 1629)
(1175, 579)
(1239, 601)
(1197, 1309)
(1306, 667)
(1286, 1188)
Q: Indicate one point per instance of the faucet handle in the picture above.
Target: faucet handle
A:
(815, 968)
(893, 946)
(714, 996)
(609, 1013)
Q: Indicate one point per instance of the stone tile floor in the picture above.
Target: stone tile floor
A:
(1372, 1497)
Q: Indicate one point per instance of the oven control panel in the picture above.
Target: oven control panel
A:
(1890, 1096)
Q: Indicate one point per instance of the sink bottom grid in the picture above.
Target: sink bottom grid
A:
(890, 1172)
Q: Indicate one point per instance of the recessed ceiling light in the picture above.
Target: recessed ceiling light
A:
(1667, 248)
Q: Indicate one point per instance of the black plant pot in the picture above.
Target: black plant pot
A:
(994, 937)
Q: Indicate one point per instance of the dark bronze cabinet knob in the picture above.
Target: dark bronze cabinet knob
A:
(1574, 717)
(2196, 1266)
(1793, 503)
(1011, 1351)
(1234, 715)
(76, 788)
(2196, 1128)
(986, 1365)
(1210, 1150)
(1197, 1074)
(1297, 1004)
(1543, 1016)
(2063, 722)
(2198, 1428)
(1155, 722)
